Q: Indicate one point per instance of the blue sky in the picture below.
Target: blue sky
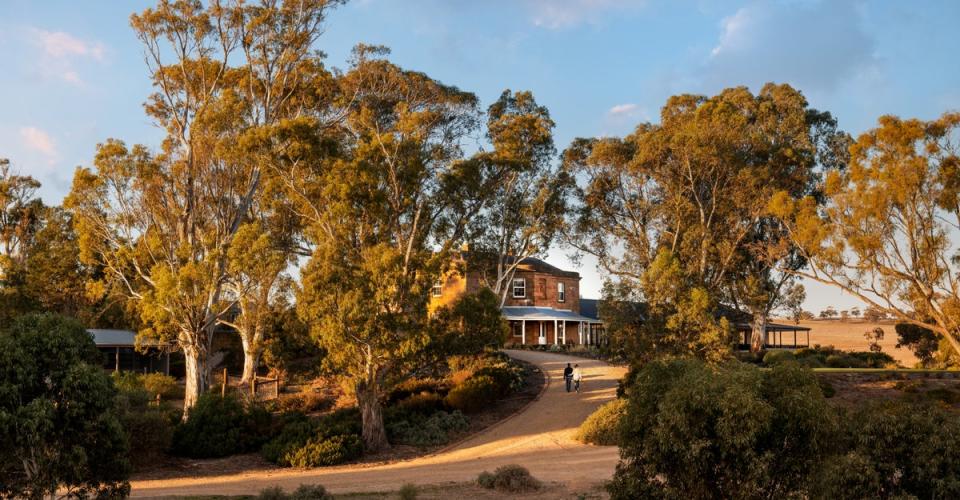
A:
(73, 73)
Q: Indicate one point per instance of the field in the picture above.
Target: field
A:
(848, 336)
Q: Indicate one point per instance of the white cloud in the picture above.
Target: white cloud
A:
(61, 53)
(622, 109)
(38, 140)
(814, 45)
(556, 14)
(60, 45)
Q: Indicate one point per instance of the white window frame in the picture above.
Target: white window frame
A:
(437, 289)
(561, 291)
(522, 286)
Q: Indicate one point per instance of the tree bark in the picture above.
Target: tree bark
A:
(374, 432)
(251, 358)
(197, 377)
(758, 332)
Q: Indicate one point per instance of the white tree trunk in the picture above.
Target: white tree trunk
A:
(197, 377)
(759, 332)
(251, 357)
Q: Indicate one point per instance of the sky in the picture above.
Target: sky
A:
(73, 73)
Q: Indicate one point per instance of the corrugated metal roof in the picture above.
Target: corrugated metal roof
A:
(543, 314)
(590, 308)
(103, 337)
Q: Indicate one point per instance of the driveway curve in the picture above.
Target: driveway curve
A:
(540, 437)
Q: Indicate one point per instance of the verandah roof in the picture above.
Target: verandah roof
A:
(529, 313)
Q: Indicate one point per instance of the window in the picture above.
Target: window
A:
(519, 288)
(437, 289)
(561, 291)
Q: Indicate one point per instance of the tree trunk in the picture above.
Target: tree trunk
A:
(251, 358)
(197, 377)
(758, 333)
(374, 433)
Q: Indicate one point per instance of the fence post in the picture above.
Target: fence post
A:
(223, 386)
(253, 385)
(276, 387)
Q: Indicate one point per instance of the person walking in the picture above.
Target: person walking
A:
(577, 376)
(568, 376)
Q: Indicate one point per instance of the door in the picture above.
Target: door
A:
(543, 333)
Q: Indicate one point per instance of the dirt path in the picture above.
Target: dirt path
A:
(539, 438)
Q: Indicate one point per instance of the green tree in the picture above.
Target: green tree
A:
(526, 210)
(162, 225)
(19, 216)
(885, 234)
(696, 186)
(391, 207)
(697, 431)
(58, 423)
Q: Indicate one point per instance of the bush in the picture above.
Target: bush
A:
(300, 432)
(320, 451)
(163, 385)
(510, 479)
(693, 430)
(416, 386)
(427, 431)
(424, 403)
(304, 492)
(474, 394)
(509, 378)
(774, 357)
(408, 492)
(149, 431)
(603, 426)
(221, 426)
(895, 450)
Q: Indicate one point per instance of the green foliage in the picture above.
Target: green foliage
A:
(303, 492)
(414, 386)
(320, 451)
(163, 385)
(58, 423)
(423, 403)
(894, 450)
(473, 323)
(408, 492)
(509, 479)
(778, 356)
(695, 431)
(221, 426)
(420, 430)
(602, 427)
(923, 342)
(474, 394)
(299, 432)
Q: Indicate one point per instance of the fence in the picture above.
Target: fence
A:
(260, 387)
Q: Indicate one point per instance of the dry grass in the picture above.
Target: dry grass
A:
(848, 336)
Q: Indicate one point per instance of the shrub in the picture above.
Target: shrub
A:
(693, 430)
(416, 386)
(149, 431)
(163, 385)
(300, 431)
(774, 357)
(430, 431)
(474, 394)
(944, 395)
(320, 451)
(310, 492)
(408, 492)
(304, 492)
(895, 450)
(220, 426)
(603, 426)
(509, 378)
(510, 479)
(424, 403)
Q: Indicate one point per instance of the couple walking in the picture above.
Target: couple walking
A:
(573, 375)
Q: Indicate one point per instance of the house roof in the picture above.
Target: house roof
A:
(590, 308)
(537, 265)
(116, 338)
(531, 313)
(103, 337)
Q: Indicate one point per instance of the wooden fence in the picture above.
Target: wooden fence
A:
(260, 387)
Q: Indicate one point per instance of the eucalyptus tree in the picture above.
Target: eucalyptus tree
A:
(162, 223)
(888, 232)
(386, 211)
(676, 212)
(526, 210)
(19, 216)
